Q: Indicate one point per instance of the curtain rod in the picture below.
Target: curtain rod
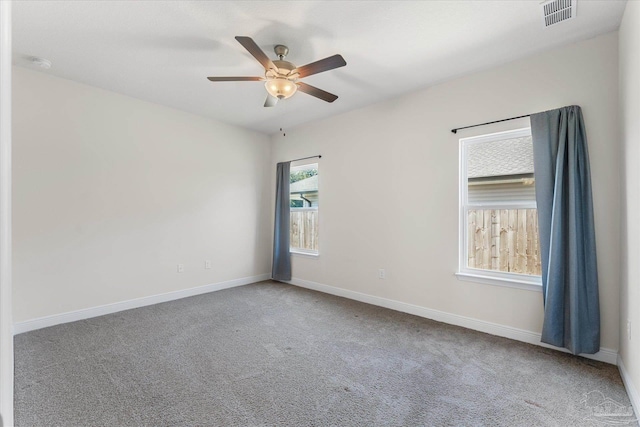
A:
(305, 158)
(489, 123)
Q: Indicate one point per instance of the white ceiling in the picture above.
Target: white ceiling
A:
(162, 51)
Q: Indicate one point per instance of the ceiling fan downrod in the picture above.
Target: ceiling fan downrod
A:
(281, 51)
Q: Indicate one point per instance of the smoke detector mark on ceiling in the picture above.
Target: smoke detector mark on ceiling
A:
(43, 63)
(556, 11)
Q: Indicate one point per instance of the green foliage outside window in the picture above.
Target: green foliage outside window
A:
(302, 174)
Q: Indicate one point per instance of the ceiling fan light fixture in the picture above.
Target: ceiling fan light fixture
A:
(282, 76)
(281, 88)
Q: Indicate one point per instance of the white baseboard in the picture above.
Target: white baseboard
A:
(604, 355)
(72, 316)
(632, 391)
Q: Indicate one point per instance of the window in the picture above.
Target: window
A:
(303, 196)
(499, 241)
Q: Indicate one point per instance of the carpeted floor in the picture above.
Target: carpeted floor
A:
(271, 354)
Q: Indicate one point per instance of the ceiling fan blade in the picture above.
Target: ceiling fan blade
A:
(254, 49)
(318, 93)
(235, 79)
(271, 101)
(326, 64)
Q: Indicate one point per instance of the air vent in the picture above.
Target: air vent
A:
(556, 11)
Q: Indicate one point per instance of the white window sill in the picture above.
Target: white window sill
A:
(304, 254)
(524, 283)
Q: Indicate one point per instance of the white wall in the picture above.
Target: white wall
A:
(630, 175)
(6, 325)
(111, 193)
(389, 183)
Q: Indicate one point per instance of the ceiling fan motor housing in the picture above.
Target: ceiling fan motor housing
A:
(285, 68)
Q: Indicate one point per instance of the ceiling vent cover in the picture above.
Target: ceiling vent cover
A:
(556, 11)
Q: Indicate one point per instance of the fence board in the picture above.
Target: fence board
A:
(511, 237)
(504, 240)
(478, 238)
(495, 239)
(471, 242)
(536, 266)
(521, 245)
(486, 240)
(503, 264)
(303, 229)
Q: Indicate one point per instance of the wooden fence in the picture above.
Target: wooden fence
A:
(504, 240)
(304, 229)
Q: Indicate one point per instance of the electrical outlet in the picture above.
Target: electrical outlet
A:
(381, 273)
(180, 268)
(629, 329)
(207, 264)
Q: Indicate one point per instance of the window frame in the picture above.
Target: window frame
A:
(490, 277)
(301, 251)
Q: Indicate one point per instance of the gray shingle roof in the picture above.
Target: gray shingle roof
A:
(305, 185)
(497, 158)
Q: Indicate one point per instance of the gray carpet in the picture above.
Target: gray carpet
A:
(271, 354)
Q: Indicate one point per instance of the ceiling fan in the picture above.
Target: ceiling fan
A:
(281, 77)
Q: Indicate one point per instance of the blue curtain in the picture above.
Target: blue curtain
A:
(567, 235)
(281, 267)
